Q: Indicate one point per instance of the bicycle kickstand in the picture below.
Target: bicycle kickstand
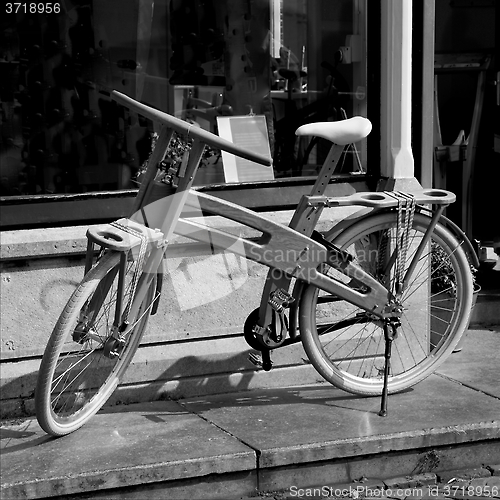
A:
(389, 338)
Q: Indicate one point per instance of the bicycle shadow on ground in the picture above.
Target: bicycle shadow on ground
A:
(199, 385)
(20, 438)
(324, 394)
(229, 383)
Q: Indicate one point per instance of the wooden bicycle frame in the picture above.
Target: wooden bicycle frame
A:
(282, 248)
(289, 250)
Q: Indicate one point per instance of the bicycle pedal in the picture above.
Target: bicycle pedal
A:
(263, 361)
(255, 359)
(280, 299)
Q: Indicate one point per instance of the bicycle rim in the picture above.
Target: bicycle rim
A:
(76, 377)
(346, 344)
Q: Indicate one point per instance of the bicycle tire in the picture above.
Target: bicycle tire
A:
(346, 345)
(75, 378)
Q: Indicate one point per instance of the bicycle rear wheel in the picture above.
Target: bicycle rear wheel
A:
(77, 373)
(346, 344)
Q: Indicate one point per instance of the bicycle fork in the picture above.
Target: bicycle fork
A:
(134, 243)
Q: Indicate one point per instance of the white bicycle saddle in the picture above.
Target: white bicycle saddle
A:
(342, 132)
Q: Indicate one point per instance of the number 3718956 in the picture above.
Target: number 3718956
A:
(470, 491)
(32, 8)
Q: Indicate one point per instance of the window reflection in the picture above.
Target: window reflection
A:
(197, 59)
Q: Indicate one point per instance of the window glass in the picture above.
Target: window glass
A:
(319, 70)
(206, 61)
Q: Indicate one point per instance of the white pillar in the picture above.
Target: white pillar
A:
(396, 154)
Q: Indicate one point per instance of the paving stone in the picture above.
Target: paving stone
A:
(485, 487)
(308, 435)
(366, 488)
(324, 423)
(488, 486)
(138, 445)
(370, 483)
(481, 346)
(463, 474)
(435, 492)
(411, 481)
(495, 469)
(396, 493)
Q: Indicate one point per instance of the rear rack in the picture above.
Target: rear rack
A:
(385, 199)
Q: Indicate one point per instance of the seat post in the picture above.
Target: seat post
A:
(327, 170)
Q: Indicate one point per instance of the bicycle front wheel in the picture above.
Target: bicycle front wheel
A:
(78, 372)
(346, 344)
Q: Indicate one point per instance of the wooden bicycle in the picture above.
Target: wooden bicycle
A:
(379, 301)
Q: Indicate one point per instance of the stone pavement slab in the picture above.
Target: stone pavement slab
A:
(128, 445)
(266, 439)
(478, 364)
(308, 424)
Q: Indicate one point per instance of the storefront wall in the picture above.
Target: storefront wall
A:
(78, 143)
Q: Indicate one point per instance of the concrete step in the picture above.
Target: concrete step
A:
(487, 309)
(481, 482)
(253, 442)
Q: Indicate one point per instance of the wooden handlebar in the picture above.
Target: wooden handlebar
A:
(183, 127)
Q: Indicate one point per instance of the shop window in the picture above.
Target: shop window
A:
(291, 62)
(61, 133)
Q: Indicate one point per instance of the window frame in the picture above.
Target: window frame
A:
(105, 206)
